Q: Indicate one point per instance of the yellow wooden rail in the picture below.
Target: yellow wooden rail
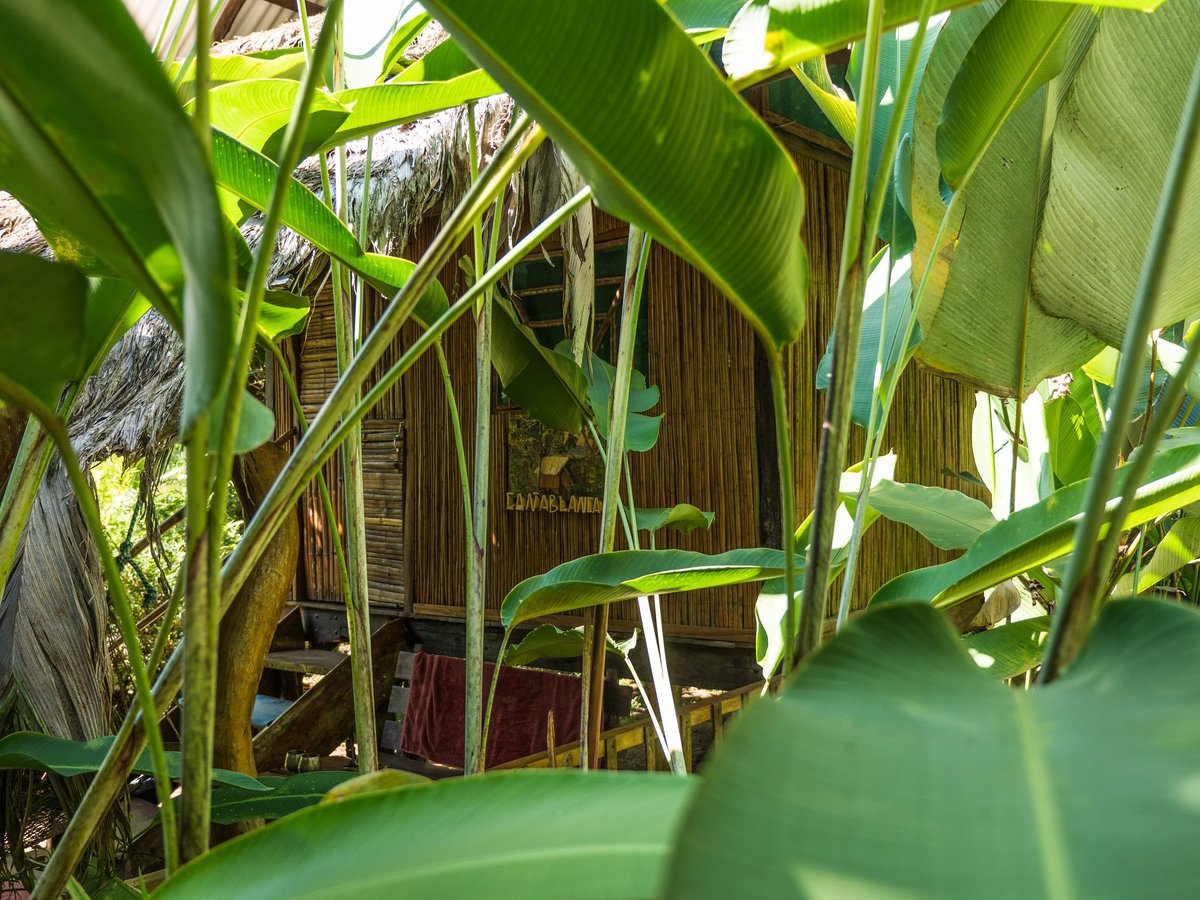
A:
(640, 733)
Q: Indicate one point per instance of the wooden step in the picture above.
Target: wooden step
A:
(307, 662)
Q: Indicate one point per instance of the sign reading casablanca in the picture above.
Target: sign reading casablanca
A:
(535, 502)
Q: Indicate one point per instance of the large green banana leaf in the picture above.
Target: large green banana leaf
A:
(383, 106)
(547, 385)
(532, 834)
(286, 63)
(768, 36)
(663, 142)
(45, 753)
(1038, 534)
(256, 113)
(1055, 219)
(627, 574)
(44, 308)
(986, 254)
(947, 519)
(97, 147)
(249, 175)
(282, 796)
(1101, 200)
(893, 766)
(551, 642)
(682, 517)
(1020, 49)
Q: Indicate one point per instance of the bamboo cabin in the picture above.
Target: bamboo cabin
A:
(716, 449)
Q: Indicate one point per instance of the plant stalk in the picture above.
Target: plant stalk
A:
(347, 306)
(476, 599)
(595, 628)
(864, 213)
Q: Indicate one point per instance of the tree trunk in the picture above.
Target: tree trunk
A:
(249, 624)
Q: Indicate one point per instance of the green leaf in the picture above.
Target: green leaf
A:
(249, 175)
(768, 36)
(947, 519)
(283, 314)
(683, 517)
(399, 42)
(547, 385)
(44, 753)
(641, 431)
(1170, 357)
(1019, 50)
(627, 574)
(1087, 273)
(382, 106)
(285, 63)
(256, 113)
(701, 173)
(561, 832)
(886, 312)
(1006, 345)
(551, 642)
(368, 29)
(444, 62)
(103, 156)
(952, 784)
(1072, 444)
(256, 424)
(895, 48)
(1039, 534)
(1179, 547)
(839, 109)
(43, 305)
(1007, 651)
(283, 796)
(707, 17)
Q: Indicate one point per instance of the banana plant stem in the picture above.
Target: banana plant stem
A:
(347, 306)
(847, 323)
(1081, 585)
(477, 521)
(595, 628)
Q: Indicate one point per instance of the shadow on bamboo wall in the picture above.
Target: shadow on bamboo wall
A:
(701, 356)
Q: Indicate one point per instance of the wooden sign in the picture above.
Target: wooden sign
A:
(537, 502)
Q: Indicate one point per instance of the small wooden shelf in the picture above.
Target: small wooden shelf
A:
(306, 662)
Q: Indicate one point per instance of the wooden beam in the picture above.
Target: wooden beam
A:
(225, 20)
(313, 8)
(323, 717)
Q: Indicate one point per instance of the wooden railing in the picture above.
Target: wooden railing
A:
(640, 733)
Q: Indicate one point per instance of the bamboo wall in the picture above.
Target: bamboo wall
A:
(701, 356)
